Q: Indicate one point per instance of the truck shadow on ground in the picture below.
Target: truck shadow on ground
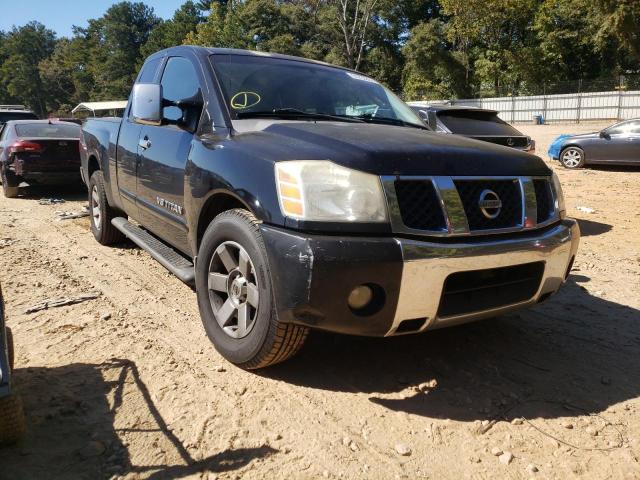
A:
(591, 228)
(71, 412)
(575, 353)
(64, 192)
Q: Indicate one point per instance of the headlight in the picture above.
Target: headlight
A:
(557, 188)
(320, 190)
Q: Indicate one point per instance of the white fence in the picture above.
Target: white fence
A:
(567, 108)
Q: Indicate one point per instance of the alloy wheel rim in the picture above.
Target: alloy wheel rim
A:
(95, 207)
(233, 289)
(571, 158)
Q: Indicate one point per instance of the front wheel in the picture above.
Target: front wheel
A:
(235, 295)
(12, 419)
(572, 157)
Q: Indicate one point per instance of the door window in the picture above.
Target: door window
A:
(634, 129)
(623, 128)
(179, 81)
(148, 73)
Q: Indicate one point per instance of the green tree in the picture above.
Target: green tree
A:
(23, 50)
(432, 71)
(222, 28)
(173, 32)
(67, 72)
(114, 42)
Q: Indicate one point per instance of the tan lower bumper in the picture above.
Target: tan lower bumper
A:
(427, 265)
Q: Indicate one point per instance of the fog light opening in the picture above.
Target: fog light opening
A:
(366, 299)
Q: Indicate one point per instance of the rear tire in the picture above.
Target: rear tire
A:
(10, 348)
(101, 213)
(572, 157)
(13, 424)
(10, 184)
(233, 252)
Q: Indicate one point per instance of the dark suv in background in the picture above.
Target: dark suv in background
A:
(475, 123)
(15, 112)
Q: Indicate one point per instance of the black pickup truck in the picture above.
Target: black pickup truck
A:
(294, 194)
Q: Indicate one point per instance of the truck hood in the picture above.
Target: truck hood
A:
(383, 149)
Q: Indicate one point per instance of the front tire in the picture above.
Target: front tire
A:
(13, 424)
(572, 157)
(101, 213)
(235, 295)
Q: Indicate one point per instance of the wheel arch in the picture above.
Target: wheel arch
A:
(93, 165)
(569, 145)
(216, 203)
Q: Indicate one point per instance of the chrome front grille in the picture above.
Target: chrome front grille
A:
(458, 206)
(509, 215)
(419, 205)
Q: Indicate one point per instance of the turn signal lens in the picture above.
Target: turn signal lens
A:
(290, 194)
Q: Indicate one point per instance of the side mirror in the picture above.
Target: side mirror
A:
(604, 134)
(146, 103)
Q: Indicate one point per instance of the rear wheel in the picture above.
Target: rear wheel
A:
(101, 213)
(9, 184)
(235, 295)
(572, 157)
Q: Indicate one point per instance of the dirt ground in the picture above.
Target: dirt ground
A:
(127, 385)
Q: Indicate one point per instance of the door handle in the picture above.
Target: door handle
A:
(144, 143)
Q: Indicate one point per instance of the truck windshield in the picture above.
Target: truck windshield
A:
(255, 86)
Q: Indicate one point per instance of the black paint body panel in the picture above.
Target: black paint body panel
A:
(314, 274)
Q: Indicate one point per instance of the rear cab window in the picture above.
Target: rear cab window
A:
(47, 130)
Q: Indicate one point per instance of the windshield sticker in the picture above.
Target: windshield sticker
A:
(362, 78)
(242, 100)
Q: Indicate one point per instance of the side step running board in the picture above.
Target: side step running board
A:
(165, 255)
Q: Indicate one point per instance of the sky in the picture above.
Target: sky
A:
(60, 15)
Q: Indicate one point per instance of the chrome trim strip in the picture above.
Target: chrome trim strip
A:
(426, 266)
(529, 203)
(452, 204)
(453, 210)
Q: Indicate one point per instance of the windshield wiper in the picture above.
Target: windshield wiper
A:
(367, 117)
(294, 112)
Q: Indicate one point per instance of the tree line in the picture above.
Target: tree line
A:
(422, 49)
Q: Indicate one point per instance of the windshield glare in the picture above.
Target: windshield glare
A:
(254, 84)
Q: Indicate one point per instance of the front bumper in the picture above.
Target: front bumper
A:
(312, 276)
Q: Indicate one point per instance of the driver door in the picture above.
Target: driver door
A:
(615, 145)
(164, 152)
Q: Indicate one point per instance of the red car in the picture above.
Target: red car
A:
(38, 152)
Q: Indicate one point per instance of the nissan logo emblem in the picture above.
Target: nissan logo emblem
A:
(490, 204)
